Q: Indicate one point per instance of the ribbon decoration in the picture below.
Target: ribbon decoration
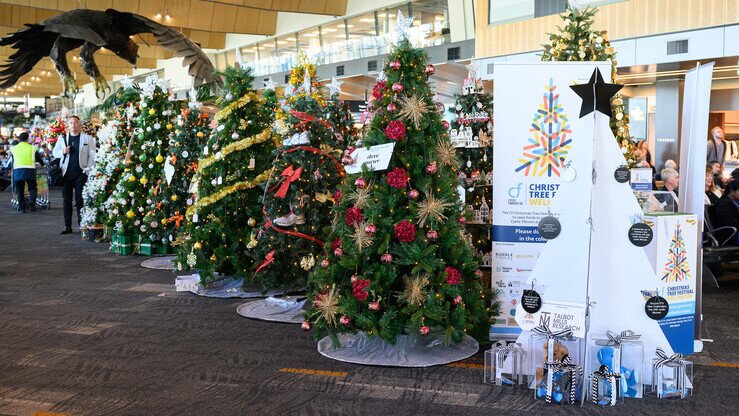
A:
(268, 224)
(137, 245)
(663, 359)
(517, 353)
(675, 361)
(269, 258)
(613, 378)
(288, 176)
(614, 340)
(177, 219)
(543, 329)
(193, 167)
(565, 366)
(306, 118)
(321, 152)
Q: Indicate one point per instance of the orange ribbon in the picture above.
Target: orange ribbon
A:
(177, 218)
(289, 175)
(268, 259)
(193, 167)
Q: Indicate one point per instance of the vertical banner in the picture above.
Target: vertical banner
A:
(696, 101)
(543, 167)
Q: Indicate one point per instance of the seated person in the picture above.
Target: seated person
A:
(727, 209)
(712, 192)
(671, 180)
(718, 177)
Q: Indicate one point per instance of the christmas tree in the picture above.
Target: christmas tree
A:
(577, 41)
(677, 267)
(219, 227)
(299, 196)
(472, 135)
(191, 129)
(135, 208)
(398, 262)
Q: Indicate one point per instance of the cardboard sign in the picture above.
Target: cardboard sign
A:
(557, 316)
(375, 158)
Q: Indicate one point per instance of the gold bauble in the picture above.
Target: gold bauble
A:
(143, 181)
(159, 158)
(169, 126)
(131, 178)
(200, 134)
(130, 214)
(252, 222)
(213, 258)
(152, 112)
(164, 221)
(174, 197)
(198, 245)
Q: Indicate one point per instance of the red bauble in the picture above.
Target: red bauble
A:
(374, 306)
(432, 235)
(453, 276)
(413, 194)
(305, 326)
(370, 229)
(338, 252)
(358, 291)
(360, 183)
(397, 178)
(344, 320)
(445, 124)
(405, 231)
(457, 300)
(386, 258)
(397, 87)
(395, 130)
(353, 215)
(336, 243)
(478, 274)
(431, 168)
(424, 330)
(462, 220)
(378, 89)
(430, 70)
(325, 263)
(391, 107)
(395, 64)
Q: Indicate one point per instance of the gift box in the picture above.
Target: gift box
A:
(147, 248)
(164, 248)
(623, 354)
(605, 387)
(122, 244)
(188, 283)
(505, 365)
(671, 376)
(561, 382)
(546, 346)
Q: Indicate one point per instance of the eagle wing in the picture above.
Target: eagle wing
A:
(84, 24)
(200, 66)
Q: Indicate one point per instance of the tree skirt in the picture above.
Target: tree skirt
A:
(232, 288)
(288, 309)
(409, 351)
(159, 263)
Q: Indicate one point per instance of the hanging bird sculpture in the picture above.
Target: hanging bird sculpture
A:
(93, 30)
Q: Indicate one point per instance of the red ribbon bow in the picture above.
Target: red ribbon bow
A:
(268, 259)
(289, 175)
(306, 118)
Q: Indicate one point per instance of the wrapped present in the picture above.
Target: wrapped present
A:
(605, 387)
(505, 364)
(672, 376)
(623, 353)
(562, 382)
(147, 248)
(546, 346)
(122, 244)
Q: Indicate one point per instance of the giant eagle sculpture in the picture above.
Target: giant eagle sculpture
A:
(92, 30)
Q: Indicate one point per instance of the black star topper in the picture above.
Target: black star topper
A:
(596, 94)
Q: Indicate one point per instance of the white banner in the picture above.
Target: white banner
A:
(543, 166)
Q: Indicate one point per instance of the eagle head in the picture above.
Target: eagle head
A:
(127, 50)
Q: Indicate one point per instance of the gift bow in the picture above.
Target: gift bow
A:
(615, 339)
(664, 359)
(561, 334)
(177, 219)
(289, 175)
(267, 260)
(506, 348)
(613, 378)
(565, 365)
(306, 118)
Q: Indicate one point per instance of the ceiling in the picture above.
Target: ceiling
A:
(205, 21)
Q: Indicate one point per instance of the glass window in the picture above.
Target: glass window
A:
(507, 11)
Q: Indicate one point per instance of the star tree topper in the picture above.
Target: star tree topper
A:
(127, 82)
(334, 86)
(269, 84)
(596, 95)
(402, 27)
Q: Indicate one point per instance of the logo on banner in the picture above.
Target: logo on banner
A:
(548, 148)
(677, 267)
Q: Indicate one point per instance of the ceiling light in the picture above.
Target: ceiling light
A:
(343, 36)
(168, 17)
(158, 16)
(367, 20)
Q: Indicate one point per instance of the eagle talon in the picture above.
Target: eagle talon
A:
(70, 86)
(101, 86)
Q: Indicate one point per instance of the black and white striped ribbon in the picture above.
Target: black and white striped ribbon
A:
(561, 334)
(615, 339)
(563, 366)
(613, 378)
(664, 359)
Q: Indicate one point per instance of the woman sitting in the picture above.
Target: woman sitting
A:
(713, 193)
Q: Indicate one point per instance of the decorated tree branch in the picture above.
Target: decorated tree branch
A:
(299, 195)
(578, 41)
(223, 209)
(398, 262)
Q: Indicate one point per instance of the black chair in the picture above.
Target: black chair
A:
(715, 244)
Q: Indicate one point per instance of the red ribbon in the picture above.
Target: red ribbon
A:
(289, 175)
(268, 259)
(321, 152)
(268, 224)
(306, 118)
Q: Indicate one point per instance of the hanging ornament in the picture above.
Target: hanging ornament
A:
(142, 157)
(395, 64)
(159, 158)
(430, 70)
(360, 183)
(234, 135)
(397, 87)
(391, 107)
(130, 214)
(431, 168)
(386, 258)
(413, 194)
(151, 111)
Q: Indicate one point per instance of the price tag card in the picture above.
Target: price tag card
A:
(375, 158)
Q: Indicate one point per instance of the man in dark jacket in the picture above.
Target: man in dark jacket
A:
(727, 209)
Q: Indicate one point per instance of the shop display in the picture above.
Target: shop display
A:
(94, 30)
(397, 265)
(223, 208)
(505, 365)
(672, 376)
(300, 193)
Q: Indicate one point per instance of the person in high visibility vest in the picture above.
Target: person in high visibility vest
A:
(25, 156)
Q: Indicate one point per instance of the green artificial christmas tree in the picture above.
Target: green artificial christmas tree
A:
(299, 196)
(218, 233)
(472, 136)
(191, 129)
(577, 41)
(136, 211)
(399, 263)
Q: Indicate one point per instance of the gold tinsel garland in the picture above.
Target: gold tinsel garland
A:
(249, 96)
(208, 200)
(265, 135)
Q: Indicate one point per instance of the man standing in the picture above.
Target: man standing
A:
(716, 148)
(25, 156)
(77, 153)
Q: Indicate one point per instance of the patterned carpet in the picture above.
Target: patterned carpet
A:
(84, 332)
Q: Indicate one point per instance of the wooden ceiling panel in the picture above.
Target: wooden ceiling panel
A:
(200, 15)
(131, 6)
(224, 17)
